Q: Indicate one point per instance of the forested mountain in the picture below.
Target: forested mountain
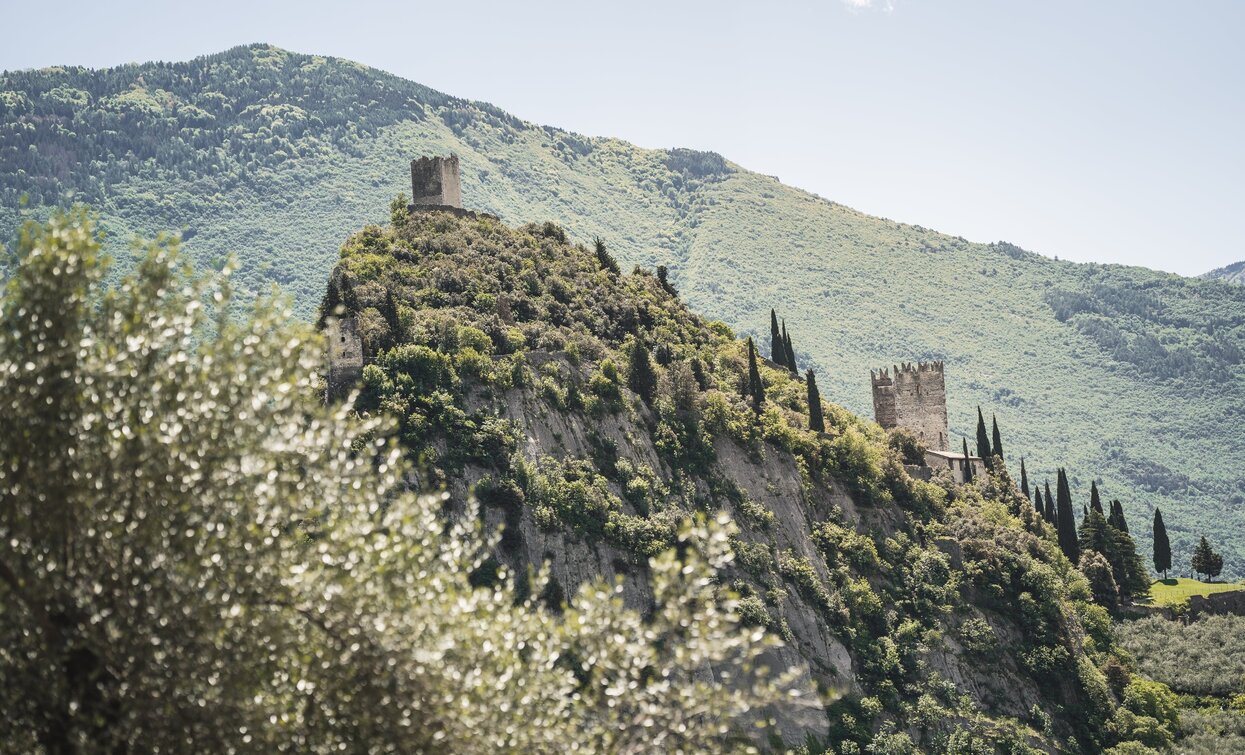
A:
(1234, 273)
(1124, 375)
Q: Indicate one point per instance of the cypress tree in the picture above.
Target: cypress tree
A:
(1095, 502)
(755, 388)
(641, 377)
(1116, 519)
(1024, 479)
(1093, 535)
(968, 465)
(983, 441)
(777, 347)
(790, 352)
(816, 421)
(998, 439)
(1130, 572)
(328, 304)
(604, 258)
(1049, 511)
(389, 311)
(1066, 523)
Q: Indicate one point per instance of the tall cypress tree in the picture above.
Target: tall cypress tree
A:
(1066, 524)
(968, 464)
(755, 388)
(393, 327)
(641, 377)
(790, 352)
(1095, 502)
(998, 439)
(983, 441)
(604, 258)
(1116, 519)
(1024, 479)
(1049, 511)
(777, 347)
(816, 421)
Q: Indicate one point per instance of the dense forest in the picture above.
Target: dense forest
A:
(1124, 376)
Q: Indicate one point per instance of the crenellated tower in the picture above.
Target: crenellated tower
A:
(914, 397)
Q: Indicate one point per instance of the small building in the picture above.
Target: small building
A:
(955, 461)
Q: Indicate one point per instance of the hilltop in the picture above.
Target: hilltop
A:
(591, 410)
(1127, 375)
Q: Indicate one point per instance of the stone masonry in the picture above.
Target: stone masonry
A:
(345, 355)
(435, 183)
(913, 397)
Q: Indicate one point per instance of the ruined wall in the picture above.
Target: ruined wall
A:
(914, 397)
(435, 182)
(345, 355)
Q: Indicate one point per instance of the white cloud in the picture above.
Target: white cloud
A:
(886, 6)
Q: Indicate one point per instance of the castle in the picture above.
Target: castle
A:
(914, 397)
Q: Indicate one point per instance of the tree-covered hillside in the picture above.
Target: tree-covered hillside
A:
(1126, 375)
(591, 410)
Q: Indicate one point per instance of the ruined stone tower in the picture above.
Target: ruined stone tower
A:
(914, 398)
(435, 183)
(345, 355)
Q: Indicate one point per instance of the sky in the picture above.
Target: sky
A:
(1107, 131)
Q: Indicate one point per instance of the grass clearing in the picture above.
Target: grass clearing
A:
(1170, 592)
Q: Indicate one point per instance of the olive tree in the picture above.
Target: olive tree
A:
(197, 554)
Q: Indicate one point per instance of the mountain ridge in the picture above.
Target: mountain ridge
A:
(1126, 376)
(1233, 273)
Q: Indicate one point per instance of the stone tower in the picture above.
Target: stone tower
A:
(914, 398)
(345, 355)
(434, 182)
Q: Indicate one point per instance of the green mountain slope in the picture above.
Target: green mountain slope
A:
(1234, 273)
(1123, 374)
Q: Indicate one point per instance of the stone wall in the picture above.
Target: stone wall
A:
(913, 397)
(435, 181)
(1217, 604)
(345, 355)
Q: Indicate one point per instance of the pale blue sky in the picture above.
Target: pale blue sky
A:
(1108, 131)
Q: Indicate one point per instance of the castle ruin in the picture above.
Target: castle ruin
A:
(435, 183)
(914, 397)
(345, 355)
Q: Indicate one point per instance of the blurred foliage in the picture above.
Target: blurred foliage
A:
(197, 555)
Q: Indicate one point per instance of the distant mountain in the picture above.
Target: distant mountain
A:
(1234, 273)
(1125, 375)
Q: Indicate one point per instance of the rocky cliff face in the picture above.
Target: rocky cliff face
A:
(589, 412)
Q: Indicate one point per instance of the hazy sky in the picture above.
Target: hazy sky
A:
(1109, 131)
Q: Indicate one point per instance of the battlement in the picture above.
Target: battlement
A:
(913, 395)
(435, 183)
